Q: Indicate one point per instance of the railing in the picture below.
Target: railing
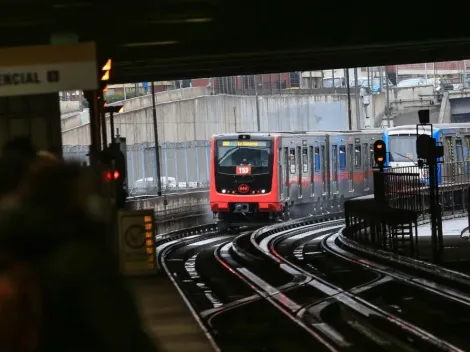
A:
(408, 188)
(183, 166)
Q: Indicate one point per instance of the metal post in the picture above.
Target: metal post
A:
(434, 215)
(258, 122)
(333, 79)
(437, 238)
(387, 111)
(349, 98)
(95, 145)
(357, 94)
(379, 187)
(111, 122)
(104, 134)
(157, 149)
(464, 74)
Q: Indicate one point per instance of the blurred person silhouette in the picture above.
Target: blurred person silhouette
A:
(18, 154)
(58, 229)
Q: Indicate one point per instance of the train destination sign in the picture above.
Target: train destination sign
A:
(47, 69)
(244, 144)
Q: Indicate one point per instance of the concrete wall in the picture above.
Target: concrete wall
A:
(199, 118)
(145, 101)
(69, 106)
(445, 111)
(403, 103)
(460, 110)
(411, 117)
(177, 211)
(187, 118)
(75, 119)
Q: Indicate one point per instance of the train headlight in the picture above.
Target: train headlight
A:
(263, 191)
(223, 191)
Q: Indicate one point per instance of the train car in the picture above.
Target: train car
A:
(259, 178)
(244, 174)
(350, 161)
(454, 137)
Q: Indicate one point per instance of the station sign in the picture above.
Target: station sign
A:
(137, 242)
(244, 144)
(43, 69)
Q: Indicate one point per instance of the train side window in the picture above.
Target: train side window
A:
(312, 170)
(357, 156)
(371, 157)
(292, 161)
(342, 157)
(459, 149)
(467, 144)
(304, 160)
(334, 159)
(324, 166)
(317, 159)
(281, 182)
(450, 149)
(365, 162)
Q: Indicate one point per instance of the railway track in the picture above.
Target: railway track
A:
(293, 286)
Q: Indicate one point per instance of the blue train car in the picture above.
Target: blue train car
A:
(455, 137)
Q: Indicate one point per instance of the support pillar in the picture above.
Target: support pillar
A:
(35, 116)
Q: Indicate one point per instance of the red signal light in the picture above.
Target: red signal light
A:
(116, 174)
(108, 176)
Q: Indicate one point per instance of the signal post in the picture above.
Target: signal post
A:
(131, 233)
(380, 157)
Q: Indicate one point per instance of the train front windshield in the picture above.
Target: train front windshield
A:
(244, 166)
(231, 155)
(402, 148)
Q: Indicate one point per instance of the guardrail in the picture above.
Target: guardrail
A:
(190, 231)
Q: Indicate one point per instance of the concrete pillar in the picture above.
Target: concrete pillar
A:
(36, 116)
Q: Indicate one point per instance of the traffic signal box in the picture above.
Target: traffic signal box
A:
(380, 153)
(115, 173)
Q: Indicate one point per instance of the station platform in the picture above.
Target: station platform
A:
(456, 249)
(166, 316)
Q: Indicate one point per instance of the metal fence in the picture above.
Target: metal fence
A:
(183, 166)
(408, 188)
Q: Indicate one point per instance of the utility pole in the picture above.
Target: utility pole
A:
(346, 71)
(157, 148)
(388, 99)
(464, 74)
(258, 122)
(357, 93)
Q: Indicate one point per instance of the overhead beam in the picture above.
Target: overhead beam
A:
(294, 60)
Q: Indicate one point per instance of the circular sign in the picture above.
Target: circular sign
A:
(243, 188)
(135, 236)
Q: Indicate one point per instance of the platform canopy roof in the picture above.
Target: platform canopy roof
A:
(177, 39)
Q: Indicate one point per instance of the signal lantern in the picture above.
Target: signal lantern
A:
(380, 153)
(112, 175)
(108, 176)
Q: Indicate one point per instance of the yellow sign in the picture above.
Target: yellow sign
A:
(47, 69)
(137, 242)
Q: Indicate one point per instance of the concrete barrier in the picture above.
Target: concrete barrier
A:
(176, 211)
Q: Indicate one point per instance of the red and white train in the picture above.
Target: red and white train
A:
(259, 178)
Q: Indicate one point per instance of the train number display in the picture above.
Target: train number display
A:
(243, 170)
